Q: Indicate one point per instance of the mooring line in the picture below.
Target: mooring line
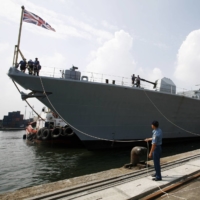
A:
(120, 140)
(165, 193)
(167, 117)
(86, 134)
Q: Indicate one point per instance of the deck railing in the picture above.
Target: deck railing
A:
(117, 80)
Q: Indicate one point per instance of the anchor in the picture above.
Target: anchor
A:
(37, 94)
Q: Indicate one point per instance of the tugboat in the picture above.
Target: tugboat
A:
(51, 131)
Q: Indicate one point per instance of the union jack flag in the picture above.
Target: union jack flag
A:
(34, 19)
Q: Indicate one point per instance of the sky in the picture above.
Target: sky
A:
(150, 38)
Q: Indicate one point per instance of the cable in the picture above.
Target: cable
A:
(115, 140)
(92, 136)
(123, 141)
(168, 119)
(155, 181)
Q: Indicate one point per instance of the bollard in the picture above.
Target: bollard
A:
(136, 152)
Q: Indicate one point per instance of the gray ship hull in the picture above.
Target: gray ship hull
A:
(114, 112)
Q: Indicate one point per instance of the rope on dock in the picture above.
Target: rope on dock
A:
(161, 190)
(120, 140)
(165, 193)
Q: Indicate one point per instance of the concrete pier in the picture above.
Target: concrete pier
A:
(121, 183)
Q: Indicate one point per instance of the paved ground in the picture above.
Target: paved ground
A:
(135, 189)
(190, 191)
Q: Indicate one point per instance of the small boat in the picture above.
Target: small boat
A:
(51, 131)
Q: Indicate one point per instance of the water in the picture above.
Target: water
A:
(23, 164)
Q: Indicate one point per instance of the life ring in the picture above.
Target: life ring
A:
(46, 134)
(57, 131)
(39, 133)
(67, 132)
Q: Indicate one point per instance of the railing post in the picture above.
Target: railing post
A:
(54, 72)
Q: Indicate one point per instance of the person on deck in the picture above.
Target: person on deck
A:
(22, 64)
(156, 149)
(30, 67)
(37, 67)
(138, 81)
(133, 79)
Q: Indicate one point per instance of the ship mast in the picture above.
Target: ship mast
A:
(17, 50)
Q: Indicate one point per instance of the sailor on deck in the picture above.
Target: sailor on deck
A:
(138, 81)
(22, 64)
(133, 79)
(37, 67)
(30, 67)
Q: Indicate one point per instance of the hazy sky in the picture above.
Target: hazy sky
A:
(152, 38)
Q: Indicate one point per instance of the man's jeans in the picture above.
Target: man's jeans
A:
(156, 160)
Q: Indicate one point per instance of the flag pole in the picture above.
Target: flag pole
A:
(19, 36)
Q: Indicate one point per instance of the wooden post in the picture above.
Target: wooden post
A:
(21, 54)
(14, 55)
(19, 36)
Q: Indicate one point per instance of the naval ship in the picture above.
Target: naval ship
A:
(109, 115)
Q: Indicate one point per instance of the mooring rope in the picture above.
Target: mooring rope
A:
(28, 102)
(120, 140)
(92, 136)
(86, 134)
(165, 193)
(168, 118)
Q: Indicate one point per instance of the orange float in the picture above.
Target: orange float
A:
(30, 129)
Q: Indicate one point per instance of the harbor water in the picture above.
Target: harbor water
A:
(24, 164)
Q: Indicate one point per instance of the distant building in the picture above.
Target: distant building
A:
(14, 120)
(1, 123)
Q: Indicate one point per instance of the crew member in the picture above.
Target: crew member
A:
(37, 67)
(156, 149)
(138, 81)
(30, 67)
(22, 64)
(133, 79)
